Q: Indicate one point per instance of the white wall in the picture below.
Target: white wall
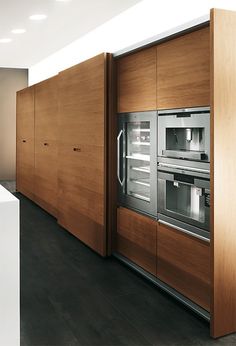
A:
(11, 80)
(144, 20)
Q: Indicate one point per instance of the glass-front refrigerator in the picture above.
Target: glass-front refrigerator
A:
(137, 161)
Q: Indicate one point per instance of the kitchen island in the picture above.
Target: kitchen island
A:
(9, 269)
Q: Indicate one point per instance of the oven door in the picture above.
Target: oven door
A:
(185, 198)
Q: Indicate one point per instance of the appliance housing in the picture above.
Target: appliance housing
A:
(184, 200)
(184, 136)
(184, 169)
(136, 161)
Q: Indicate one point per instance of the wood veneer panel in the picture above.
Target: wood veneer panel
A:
(82, 173)
(25, 142)
(46, 147)
(223, 163)
(25, 113)
(136, 81)
(183, 71)
(183, 262)
(136, 238)
(111, 129)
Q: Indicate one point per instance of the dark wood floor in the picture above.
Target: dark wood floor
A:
(71, 296)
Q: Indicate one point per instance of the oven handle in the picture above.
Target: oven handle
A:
(118, 158)
(184, 168)
(201, 183)
(184, 231)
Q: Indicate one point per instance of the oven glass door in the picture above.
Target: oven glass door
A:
(184, 198)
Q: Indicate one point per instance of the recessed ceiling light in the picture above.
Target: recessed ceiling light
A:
(5, 40)
(38, 17)
(18, 31)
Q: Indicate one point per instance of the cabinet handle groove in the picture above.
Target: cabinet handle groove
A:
(77, 149)
(45, 144)
(24, 141)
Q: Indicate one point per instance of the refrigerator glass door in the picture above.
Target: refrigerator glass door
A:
(137, 161)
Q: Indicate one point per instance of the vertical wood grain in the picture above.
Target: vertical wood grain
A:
(82, 153)
(136, 238)
(46, 137)
(25, 142)
(136, 81)
(223, 168)
(183, 262)
(183, 71)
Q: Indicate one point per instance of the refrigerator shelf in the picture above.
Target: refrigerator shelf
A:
(140, 182)
(137, 195)
(141, 143)
(140, 157)
(140, 130)
(144, 169)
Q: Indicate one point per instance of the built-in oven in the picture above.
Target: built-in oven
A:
(184, 136)
(184, 199)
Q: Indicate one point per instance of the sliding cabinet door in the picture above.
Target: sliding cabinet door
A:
(25, 142)
(46, 128)
(82, 161)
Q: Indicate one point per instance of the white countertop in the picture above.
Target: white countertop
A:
(9, 269)
(6, 196)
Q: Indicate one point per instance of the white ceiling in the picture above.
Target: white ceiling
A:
(66, 22)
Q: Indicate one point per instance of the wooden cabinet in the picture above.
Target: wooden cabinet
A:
(25, 142)
(46, 136)
(136, 81)
(183, 71)
(183, 262)
(82, 152)
(223, 163)
(136, 238)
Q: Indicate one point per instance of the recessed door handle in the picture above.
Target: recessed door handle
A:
(24, 141)
(46, 144)
(77, 149)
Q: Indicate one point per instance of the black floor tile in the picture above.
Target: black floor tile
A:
(71, 296)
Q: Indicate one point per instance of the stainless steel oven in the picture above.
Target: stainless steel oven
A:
(184, 199)
(184, 135)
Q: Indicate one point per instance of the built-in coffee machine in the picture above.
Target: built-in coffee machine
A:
(184, 169)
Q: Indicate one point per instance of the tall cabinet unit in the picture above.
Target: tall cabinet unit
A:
(223, 163)
(46, 136)
(25, 142)
(194, 69)
(82, 151)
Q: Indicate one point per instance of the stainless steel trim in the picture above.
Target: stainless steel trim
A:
(118, 158)
(194, 110)
(187, 302)
(170, 165)
(184, 230)
(181, 154)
